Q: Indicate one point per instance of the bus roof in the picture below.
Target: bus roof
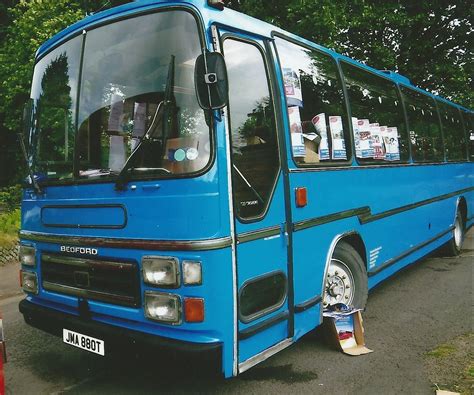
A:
(225, 18)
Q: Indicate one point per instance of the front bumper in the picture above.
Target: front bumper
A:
(53, 321)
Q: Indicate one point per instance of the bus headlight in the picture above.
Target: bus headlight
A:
(163, 307)
(29, 282)
(27, 255)
(161, 271)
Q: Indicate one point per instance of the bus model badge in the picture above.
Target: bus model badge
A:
(80, 250)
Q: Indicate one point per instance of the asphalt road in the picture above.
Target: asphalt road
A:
(418, 309)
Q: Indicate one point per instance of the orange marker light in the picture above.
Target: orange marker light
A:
(194, 309)
(301, 197)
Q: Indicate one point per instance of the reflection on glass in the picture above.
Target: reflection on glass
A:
(425, 134)
(468, 119)
(253, 132)
(54, 92)
(454, 138)
(125, 73)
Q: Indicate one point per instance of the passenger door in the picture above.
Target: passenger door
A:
(264, 319)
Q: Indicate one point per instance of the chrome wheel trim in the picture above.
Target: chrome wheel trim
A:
(457, 232)
(339, 286)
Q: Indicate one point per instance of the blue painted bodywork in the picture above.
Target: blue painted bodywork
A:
(198, 208)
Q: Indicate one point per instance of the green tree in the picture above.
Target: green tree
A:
(428, 41)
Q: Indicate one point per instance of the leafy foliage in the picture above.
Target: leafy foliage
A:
(11, 197)
(428, 41)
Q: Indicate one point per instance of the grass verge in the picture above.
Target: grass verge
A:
(450, 366)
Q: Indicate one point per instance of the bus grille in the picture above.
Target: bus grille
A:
(105, 281)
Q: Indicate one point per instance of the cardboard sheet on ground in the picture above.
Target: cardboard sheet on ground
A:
(345, 331)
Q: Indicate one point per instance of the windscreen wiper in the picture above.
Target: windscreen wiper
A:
(35, 184)
(122, 177)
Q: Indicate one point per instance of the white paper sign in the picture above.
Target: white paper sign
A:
(297, 140)
(366, 149)
(391, 144)
(337, 136)
(377, 142)
(356, 132)
(319, 122)
(292, 87)
(116, 153)
(116, 111)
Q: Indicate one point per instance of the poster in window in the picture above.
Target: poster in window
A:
(117, 153)
(377, 142)
(297, 140)
(366, 149)
(319, 122)
(383, 135)
(337, 137)
(356, 132)
(292, 87)
(116, 113)
(391, 144)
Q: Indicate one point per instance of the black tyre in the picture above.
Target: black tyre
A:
(346, 280)
(453, 247)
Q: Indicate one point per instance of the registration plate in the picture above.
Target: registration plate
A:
(87, 343)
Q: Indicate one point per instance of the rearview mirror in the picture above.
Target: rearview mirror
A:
(210, 78)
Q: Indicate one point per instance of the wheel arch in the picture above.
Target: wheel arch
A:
(354, 239)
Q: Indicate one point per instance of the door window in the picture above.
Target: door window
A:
(255, 161)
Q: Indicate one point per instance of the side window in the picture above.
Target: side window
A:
(378, 120)
(468, 119)
(255, 159)
(453, 131)
(425, 133)
(317, 116)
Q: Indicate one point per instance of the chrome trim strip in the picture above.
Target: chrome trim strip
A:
(89, 294)
(365, 215)
(258, 234)
(394, 260)
(233, 239)
(308, 223)
(141, 244)
(246, 365)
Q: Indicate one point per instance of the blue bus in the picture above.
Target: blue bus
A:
(204, 182)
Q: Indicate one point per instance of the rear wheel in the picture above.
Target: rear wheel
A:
(346, 279)
(453, 247)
